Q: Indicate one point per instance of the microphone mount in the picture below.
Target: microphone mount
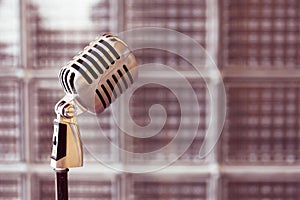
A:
(66, 143)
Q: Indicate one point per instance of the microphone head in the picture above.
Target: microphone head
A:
(100, 73)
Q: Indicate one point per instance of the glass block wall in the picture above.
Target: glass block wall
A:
(255, 44)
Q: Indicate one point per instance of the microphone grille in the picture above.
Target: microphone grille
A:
(106, 65)
(114, 86)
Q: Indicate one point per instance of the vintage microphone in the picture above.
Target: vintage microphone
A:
(92, 81)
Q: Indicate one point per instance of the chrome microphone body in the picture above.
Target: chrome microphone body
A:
(92, 80)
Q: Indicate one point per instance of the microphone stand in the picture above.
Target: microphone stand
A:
(66, 145)
(61, 184)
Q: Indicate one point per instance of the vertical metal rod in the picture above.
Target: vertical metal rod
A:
(61, 184)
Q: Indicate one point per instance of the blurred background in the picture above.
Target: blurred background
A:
(255, 44)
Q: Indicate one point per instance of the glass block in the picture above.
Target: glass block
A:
(81, 187)
(10, 34)
(262, 122)
(44, 94)
(167, 187)
(187, 17)
(99, 134)
(250, 188)
(150, 94)
(261, 34)
(11, 187)
(10, 120)
(60, 29)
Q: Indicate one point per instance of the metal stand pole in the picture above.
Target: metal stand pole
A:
(61, 184)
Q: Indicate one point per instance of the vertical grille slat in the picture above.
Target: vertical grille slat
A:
(87, 66)
(72, 82)
(89, 58)
(101, 98)
(110, 48)
(103, 62)
(62, 78)
(104, 53)
(82, 72)
(128, 74)
(111, 88)
(66, 81)
(117, 82)
(123, 79)
(106, 93)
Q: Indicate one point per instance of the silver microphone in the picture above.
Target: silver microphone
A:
(92, 81)
(100, 73)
